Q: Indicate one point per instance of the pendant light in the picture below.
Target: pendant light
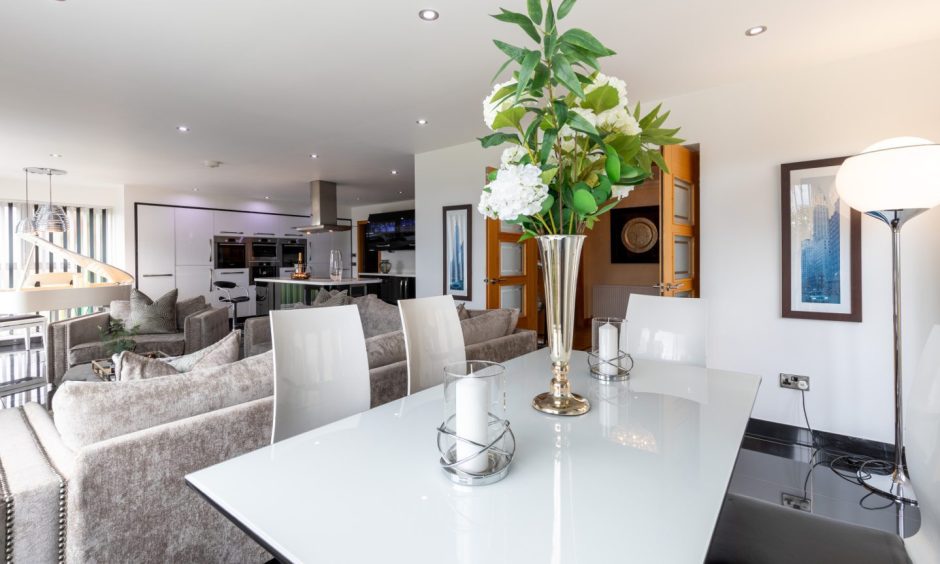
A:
(27, 225)
(50, 218)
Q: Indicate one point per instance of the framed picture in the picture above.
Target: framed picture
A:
(822, 262)
(458, 251)
(634, 235)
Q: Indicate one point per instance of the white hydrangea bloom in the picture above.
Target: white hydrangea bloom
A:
(621, 192)
(618, 120)
(603, 80)
(490, 109)
(518, 190)
(512, 155)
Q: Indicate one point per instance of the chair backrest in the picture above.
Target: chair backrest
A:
(670, 329)
(227, 284)
(433, 339)
(923, 451)
(321, 371)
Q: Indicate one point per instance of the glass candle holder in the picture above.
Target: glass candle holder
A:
(475, 440)
(607, 359)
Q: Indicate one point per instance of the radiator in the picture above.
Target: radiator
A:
(611, 301)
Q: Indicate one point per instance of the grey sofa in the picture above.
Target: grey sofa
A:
(104, 480)
(78, 340)
(385, 344)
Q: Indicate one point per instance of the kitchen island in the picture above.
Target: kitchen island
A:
(317, 284)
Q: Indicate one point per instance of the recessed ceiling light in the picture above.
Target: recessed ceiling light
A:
(428, 15)
(55, 155)
(422, 121)
(314, 155)
(394, 171)
(400, 192)
(267, 197)
(756, 30)
(195, 189)
(182, 128)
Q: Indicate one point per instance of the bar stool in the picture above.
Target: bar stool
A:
(226, 287)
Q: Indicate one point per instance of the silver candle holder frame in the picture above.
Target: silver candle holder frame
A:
(616, 369)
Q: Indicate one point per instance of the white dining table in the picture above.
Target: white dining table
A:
(640, 478)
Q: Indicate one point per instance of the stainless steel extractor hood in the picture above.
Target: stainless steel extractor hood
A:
(322, 209)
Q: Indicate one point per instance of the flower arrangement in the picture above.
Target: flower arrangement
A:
(575, 147)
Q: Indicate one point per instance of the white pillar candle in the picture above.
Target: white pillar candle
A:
(608, 348)
(473, 398)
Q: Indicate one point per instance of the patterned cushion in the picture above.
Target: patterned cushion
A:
(149, 317)
(136, 367)
(378, 317)
(185, 308)
(337, 299)
(322, 296)
(386, 349)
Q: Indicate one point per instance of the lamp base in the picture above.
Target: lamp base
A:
(896, 485)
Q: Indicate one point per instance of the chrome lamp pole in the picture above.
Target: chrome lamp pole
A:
(894, 181)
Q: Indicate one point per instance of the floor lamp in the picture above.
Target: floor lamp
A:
(894, 180)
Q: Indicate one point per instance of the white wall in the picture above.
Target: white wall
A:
(403, 262)
(746, 131)
(449, 177)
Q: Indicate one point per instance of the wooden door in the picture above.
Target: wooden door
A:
(679, 224)
(511, 272)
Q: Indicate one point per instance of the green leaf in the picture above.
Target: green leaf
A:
(561, 112)
(539, 78)
(551, 44)
(631, 172)
(657, 158)
(547, 204)
(584, 202)
(565, 8)
(521, 20)
(583, 39)
(490, 176)
(565, 75)
(509, 118)
(528, 234)
(502, 93)
(601, 99)
(612, 165)
(500, 71)
(606, 208)
(525, 71)
(578, 123)
(547, 177)
(548, 140)
(603, 189)
(535, 11)
(549, 17)
(578, 54)
(498, 138)
(515, 53)
(627, 146)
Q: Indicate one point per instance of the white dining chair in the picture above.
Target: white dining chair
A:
(321, 370)
(669, 329)
(433, 339)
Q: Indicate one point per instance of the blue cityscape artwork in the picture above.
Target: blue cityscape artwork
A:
(819, 223)
(456, 265)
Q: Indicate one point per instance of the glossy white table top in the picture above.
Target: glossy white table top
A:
(640, 478)
(322, 281)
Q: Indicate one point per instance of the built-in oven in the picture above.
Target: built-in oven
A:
(264, 251)
(230, 252)
(293, 251)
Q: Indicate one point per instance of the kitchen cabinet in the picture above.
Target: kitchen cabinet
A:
(287, 225)
(229, 223)
(261, 225)
(392, 288)
(193, 281)
(156, 250)
(193, 234)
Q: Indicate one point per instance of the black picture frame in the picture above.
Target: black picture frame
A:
(457, 239)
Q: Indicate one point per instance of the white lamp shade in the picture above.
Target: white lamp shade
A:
(900, 173)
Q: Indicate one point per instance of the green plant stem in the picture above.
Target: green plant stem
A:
(539, 217)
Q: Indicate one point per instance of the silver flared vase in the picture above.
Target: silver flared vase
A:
(561, 256)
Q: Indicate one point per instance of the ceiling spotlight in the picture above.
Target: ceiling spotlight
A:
(400, 192)
(428, 15)
(394, 171)
(422, 121)
(267, 197)
(182, 128)
(195, 189)
(55, 155)
(314, 155)
(756, 30)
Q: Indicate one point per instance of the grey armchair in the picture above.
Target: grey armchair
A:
(78, 340)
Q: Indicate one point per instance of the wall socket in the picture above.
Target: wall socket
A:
(794, 382)
(796, 502)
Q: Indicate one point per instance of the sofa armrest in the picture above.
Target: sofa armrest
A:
(203, 328)
(158, 517)
(32, 490)
(61, 336)
(257, 332)
(522, 341)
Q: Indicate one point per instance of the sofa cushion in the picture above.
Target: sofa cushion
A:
(513, 316)
(89, 412)
(185, 308)
(337, 299)
(173, 344)
(378, 317)
(385, 349)
(322, 296)
(131, 366)
(462, 312)
(148, 316)
(488, 326)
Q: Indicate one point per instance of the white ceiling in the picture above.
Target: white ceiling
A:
(263, 84)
